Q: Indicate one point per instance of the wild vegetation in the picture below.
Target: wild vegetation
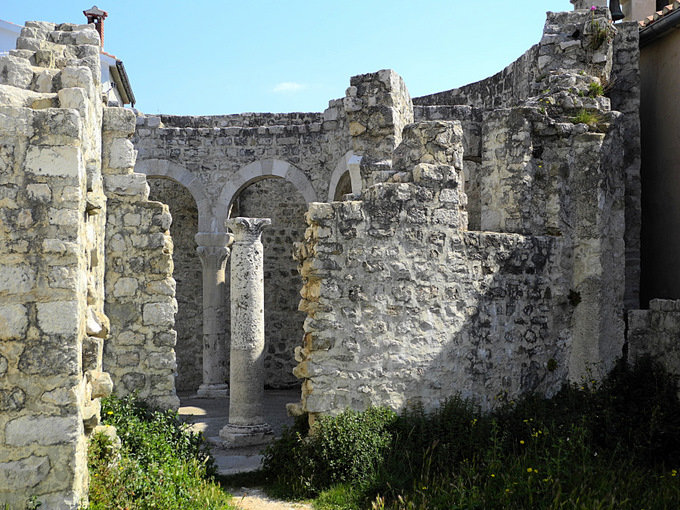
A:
(159, 463)
(613, 445)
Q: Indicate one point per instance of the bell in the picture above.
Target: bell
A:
(615, 8)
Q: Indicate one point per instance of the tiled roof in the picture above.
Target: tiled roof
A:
(649, 20)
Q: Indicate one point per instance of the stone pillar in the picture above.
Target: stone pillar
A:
(213, 251)
(246, 417)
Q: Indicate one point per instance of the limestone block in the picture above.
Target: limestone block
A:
(24, 473)
(125, 287)
(42, 430)
(16, 279)
(59, 317)
(64, 217)
(118, 120)
(60, 397)
(13, 321)
(75, 99)
(78, 77)
(39, 192)
(162, 360)
(44, 82)
(58, 161)
(16, 72)
(102, 385)
(160, 314)
(88, 36)
(121, 154)
(127, 185)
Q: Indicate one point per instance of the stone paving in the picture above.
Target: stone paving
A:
(209, 415)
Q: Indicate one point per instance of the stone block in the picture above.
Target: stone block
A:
(58, 161)
(159, 314)
(42, 430)
(125, 287)
(127, 185)
(59, 317)
(25, 473)
(16, 279)
(13, 321)
(118, 120)
(121, 154)
(15, 72)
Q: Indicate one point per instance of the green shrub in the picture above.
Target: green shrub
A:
(613, 445)
(160, 464)
(345, 448)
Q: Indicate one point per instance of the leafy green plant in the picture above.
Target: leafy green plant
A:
(608, 445)
(345, 448)
(595, 89)
(586, 117)
(160, 464)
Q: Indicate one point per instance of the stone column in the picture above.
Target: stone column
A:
(246, 417)
(213, 251)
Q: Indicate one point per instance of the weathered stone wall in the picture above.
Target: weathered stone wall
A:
(624, 91)
(140, 290)
(397, 294)
(550, 179)
(221, 161)
(655, 332)
(52, 210)
(188, 278)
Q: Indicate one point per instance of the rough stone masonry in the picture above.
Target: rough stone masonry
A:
(485, 240)
(86, 285)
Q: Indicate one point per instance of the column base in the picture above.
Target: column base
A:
(213, 391)
(236, 436)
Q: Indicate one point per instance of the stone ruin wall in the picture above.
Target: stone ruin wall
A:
(567, 38)
(211, 151)
(545, 183)
(397, 293)
(189, 281)
(56, 170)
(140, 289)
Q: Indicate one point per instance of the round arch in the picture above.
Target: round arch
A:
(164, 169)
(261, 170)
(348, 163)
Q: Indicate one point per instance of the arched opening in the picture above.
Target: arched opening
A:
(188, 276)
(281, 201)
(344, 186)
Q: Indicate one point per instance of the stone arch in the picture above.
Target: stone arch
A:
(164, 169)
(348, 163)
(256, 171)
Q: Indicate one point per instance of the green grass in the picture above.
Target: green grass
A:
(615, 445)
(160, 464)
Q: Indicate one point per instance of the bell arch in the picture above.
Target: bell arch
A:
(347, 165)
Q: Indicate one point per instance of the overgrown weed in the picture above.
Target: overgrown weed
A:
(613, 445)
(160, 464)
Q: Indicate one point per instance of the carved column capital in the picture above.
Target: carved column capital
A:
(213, 249)
(247, 230)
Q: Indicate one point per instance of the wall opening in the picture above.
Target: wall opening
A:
(279, 200)
(189, 278)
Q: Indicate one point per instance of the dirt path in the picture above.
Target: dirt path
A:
(256, 499)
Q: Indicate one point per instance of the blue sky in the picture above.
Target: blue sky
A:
(206, 57)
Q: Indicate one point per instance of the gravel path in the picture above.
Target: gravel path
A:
(256, 499)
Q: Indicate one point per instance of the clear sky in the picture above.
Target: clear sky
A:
(206, 57)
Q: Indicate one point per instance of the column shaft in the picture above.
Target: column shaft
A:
(213, 252)
(246, 417)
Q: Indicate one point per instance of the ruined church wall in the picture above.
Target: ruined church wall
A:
(511, 85)
(188, 278)
(211, 151)
(654, 332)
(52, 324)
(397, 293)
(140, 290)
